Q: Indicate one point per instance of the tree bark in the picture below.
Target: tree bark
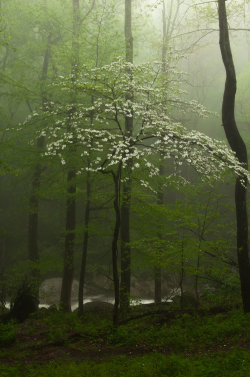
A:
(84, 248)
(238, 146)
(33, 251)
(182, 274)
(116, 179)
(3, 255)
(160, 195)
(127, 187)
(158, 269)
(68, 269)
(68, 265)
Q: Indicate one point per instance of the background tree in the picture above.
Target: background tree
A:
(127, 186)
(238, 146)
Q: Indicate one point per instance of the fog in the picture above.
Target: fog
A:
(66, 70)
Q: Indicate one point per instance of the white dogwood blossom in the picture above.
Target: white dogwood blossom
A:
(94, 125)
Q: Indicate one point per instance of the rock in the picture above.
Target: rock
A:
(98, 306)
(24, 304)
(50, 291)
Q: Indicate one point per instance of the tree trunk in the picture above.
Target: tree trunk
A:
(238, 146)
(182, 274)
(33, 252)
(84, 248)
(158, 295)
(68, 266)
(158, 269)
(3, 255)
(160, 196)
(125, 247)
(68, 269)
(126, 192)
(196, 279)
(116, 178)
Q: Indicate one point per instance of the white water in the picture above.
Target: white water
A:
(102, 298)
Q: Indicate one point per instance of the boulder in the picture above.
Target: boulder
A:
(50, 291)
(98, 306)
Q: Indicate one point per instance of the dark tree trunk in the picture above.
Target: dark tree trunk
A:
(182, 274)
(158, 294)
(33, 252)
(126, 192)
(125, 247)
(196, 279)
(68, 269)
(3, 255)
(160, 195)
(87, 208)
(158, 269)
(84, 248)
(116, 178)
(68, 266)
(238, 146)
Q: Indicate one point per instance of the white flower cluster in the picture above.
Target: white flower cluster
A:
(94, 127)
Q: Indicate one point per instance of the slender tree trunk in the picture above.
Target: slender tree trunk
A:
(68, 269)
(125, 247)
(87, 208)
(33, 252)
(182, 273)
(160, 196)
(3, 255)
(116, 179)
(68, 265)
(164, 39)
(158, 269)
(196, 278)
(238, 146)
(158, 294)
(127, 187)
(84, 248)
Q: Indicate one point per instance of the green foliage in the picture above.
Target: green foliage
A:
(187, 346)
(187, 333)
(7, 334)
(235, 363)
(60, 324)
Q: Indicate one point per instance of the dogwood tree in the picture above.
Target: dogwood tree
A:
(154, 131)
(98, 134)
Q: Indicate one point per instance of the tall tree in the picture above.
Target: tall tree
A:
(126, 189)
(33, 252)
(68, 270)
(160, 195)
(168, 26)
(88, 192)
(68, 266)
(238, 146)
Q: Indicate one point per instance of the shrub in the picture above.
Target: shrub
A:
(7, 334)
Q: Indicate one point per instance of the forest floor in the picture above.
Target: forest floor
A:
(166, 343)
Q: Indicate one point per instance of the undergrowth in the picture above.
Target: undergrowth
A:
(233, 364)
(184, 346)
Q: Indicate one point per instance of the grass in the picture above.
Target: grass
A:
(187, 332)
(236, 363)
(184, 346)
(7, 334)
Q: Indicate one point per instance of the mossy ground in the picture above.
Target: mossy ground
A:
(169, 344)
